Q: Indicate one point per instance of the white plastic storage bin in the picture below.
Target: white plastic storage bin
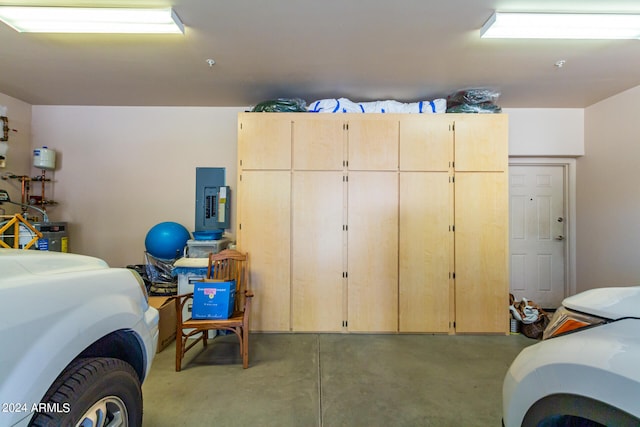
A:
(202, 248)
(189, 271)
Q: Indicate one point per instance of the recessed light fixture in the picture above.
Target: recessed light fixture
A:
(91, 20)
(562, 26)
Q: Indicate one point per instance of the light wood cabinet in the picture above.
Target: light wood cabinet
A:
(264, 142)
(264, 232)
(481, 143)
(426, 145)
(481, 223)
(373, 142)
(319, 144)
(425, 252)
(264, 215)
(426, 217)
(372, 285)
(481, 242)
(356, 291)
(375, 223)
(317, 287)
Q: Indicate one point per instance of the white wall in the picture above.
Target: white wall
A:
(549, 132)
(18, 156)
(608, 194)
(124, 169)
(121, 170)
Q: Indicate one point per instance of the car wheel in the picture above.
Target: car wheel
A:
(90, 393)
(562, 410)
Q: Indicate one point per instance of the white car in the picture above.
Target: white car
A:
(586, 371)
(77, 339)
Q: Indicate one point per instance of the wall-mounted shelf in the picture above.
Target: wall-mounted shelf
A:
(26, 190)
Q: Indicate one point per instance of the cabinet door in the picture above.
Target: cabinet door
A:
(264, 141)
(319, 142)
(481, 142)
(426, 143)
(373, 143)
(372, 254)
(481, 246)
(425, 249)
(317, 251)
(264, 232)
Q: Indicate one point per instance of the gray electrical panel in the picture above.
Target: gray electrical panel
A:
(213, 200)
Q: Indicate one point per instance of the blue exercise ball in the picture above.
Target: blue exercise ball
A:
(166, 240)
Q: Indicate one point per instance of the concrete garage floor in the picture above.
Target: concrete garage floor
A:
(332, 380)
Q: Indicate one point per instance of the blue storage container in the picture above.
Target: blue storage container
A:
(213, 299)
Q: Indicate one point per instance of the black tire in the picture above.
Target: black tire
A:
(561, 410)
(90, 388)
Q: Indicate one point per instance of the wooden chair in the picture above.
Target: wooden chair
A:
(226, 265)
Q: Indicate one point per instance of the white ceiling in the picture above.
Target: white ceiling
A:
(365, 50)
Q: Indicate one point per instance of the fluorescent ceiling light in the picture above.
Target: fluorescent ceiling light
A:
(91, 20)
(562, 26)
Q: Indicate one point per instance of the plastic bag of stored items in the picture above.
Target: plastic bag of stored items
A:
(344, 105)
(281, 105)
(534, 319)
(478, 100)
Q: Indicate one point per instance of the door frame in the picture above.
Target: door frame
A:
(569, 171)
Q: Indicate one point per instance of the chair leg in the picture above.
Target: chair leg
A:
(179, 352)
(245, 348)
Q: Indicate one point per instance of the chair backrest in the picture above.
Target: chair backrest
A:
(230, 264)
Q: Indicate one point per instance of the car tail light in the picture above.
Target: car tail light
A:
(565, 321)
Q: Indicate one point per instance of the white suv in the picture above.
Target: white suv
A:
(586, 371)
(77, 339)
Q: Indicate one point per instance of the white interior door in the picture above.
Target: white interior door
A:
(537, 233)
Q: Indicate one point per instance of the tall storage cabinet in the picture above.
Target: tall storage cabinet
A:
(344, 169)
(372, 285)
(375, 223)
(318, 241)
(481, 223)
(264, 217)
(317, 251)
(372, 223)
(426, 218)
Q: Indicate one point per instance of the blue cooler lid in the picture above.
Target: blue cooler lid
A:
(208, 234)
